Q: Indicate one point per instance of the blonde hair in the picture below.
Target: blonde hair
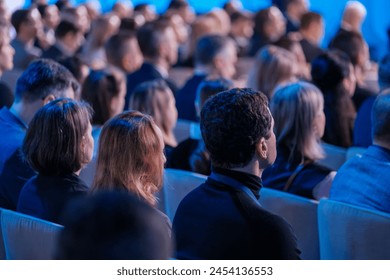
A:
(273, 66)
(294, 108)
(130, 156)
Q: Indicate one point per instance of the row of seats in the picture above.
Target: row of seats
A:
(325, 230)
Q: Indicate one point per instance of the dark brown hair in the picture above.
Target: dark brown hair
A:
(52, 145)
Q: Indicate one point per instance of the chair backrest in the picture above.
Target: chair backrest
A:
(349, 232)
(177, 184)
(335, 156)
(2, 249)
(355, 151)
(182, 130)
(28, 238)
(300, 213)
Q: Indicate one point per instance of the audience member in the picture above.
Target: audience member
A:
(123, 9)
(148, 11)
(241, 31)
(69, 38)
(293, 13)
(362, 129)
(270, 25)
(50, 20)
(58, 144)
(353, 44)
(156, 99)
(102, 29)
(112, 226)
(191, 154)
(363, 180)
(158, 44)
(6, 63)
(215, 57)
(79, 16)
(353, 17)
(298, 110)
(223, 214)
(43, 81)
(333, 74)
(105, 91)
(272, 67)
(138, 164)
(312, 31)
(123, 52)
(77, 67)
(27, 23)
(182, 8)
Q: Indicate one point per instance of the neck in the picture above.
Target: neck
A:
(23, 112)
(252, 168)
(159, 62)
(25, 39)
(170, 140)
(203, 69)
(308, 35)
(381, 143)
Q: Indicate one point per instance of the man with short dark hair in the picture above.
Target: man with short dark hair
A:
(222, 218)
(216, 57)
(43, 81)
(158, 44)
(312, 31)
(364, 180)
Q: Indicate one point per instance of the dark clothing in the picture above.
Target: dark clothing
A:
(310, 50)
(54, 53)
(24, 54)
(6, 96)
(364, 180)
(362, 136)
(308, 176)
(256, 43)
(185, 98)
(46, 197)
(147, 72)
(218, 220)
(14, 171)
(180, 155)
(291, 26)
(360, 95)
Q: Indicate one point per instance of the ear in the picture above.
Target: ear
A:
(48, 99)
(262, 148)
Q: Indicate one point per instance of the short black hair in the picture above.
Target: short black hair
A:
(232, 123)
(150, 36)
(117, 46)
(18, 17)
(209, 88)
(43, 77)
(65, 27)
(381, 117)
(208, 47)
(113, 226)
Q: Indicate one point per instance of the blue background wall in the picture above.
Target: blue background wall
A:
(374, 28)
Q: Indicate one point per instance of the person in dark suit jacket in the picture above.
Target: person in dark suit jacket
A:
(43, 81)
(57, 145)
(312, 31)
(363, 180)
(216, 56)
(222, 218)
(293, 13)
(68, 40)
(158, 44)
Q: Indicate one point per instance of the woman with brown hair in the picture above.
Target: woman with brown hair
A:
(156, 99)
(58, 144)
(131, 157)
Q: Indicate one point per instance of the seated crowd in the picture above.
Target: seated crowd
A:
(261, 96)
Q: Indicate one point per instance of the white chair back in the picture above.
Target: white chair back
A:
(355, 151)
(335, 156)
(300, 213)
(28, 238)
(177, 184)
(349, 232)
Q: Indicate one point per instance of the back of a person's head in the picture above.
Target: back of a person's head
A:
(232, 124)
(53, 142)
(151, 35)
(329, 69)
(76, 66)
(351, 43)
(152, 98)
(208, 47)
(261, 18)
(113, 226)
(130, 156)
(178, 4)
(65, 27)
(18, 17)
(294, 108)
(309, 18)
(384, 72)
(273, 65)
(119, 45)
(99, 89)
(209, 88)
(354, 10)
(380, 120)
(45, 77)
